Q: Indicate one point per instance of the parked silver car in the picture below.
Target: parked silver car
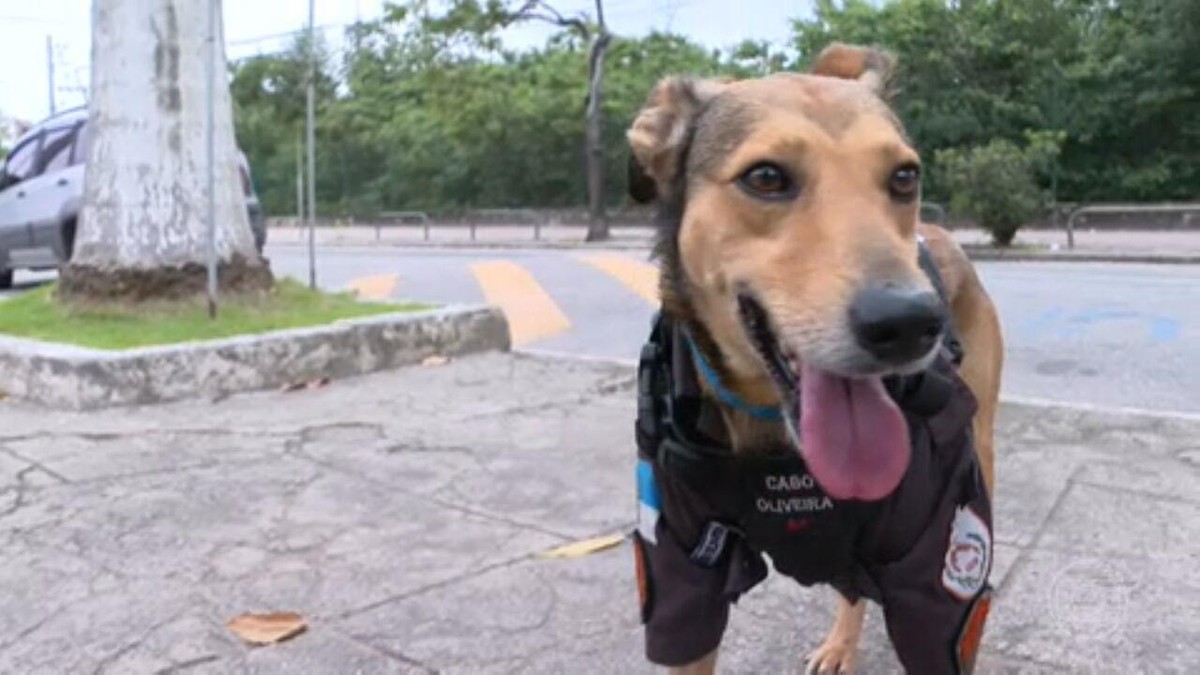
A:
(41, 192)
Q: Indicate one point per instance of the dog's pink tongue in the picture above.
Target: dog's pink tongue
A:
(852, 436)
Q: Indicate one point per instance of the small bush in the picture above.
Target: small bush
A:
(996, 184)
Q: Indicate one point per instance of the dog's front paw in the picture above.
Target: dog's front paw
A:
(834, 657)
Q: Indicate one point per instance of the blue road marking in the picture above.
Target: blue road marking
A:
(1044, 321)
(1159, 329)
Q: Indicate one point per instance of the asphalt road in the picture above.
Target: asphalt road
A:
(1111, 335)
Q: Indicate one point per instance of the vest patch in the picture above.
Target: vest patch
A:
(791, 493)
(793, 505)
(968, 555)
(712, 545)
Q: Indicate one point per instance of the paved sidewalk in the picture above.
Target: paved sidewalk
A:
(1133, 245)
(1173, 245)
(402, 513)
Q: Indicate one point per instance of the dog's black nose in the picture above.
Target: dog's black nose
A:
(897, 325)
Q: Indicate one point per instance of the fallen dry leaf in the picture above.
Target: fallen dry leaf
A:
(304, 384)
(266, 629)
(585, 547)
(435, 361)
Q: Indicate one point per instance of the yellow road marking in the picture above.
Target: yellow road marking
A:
(639, 277)
(378, 287)
(531, 314)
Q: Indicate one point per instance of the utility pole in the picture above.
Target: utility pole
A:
(312, 153)
(300, 222)
(210, 58)
(50, 72)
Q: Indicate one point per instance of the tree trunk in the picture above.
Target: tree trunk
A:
(598, 225)
(143, 229)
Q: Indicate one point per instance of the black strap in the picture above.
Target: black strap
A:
(929, 266)
(652, 391)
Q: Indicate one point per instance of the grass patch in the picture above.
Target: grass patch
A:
(39, 316)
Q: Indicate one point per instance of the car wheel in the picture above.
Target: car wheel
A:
(68, 240)
(6, 279)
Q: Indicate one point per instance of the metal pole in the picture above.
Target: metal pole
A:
(211, 151)
(300, 182)
(312, 155)
(50, 71)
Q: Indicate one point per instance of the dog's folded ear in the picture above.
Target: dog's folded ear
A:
(659, 133)
(873, 67)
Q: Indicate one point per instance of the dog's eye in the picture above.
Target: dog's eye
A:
(905, 182)
(767, 181)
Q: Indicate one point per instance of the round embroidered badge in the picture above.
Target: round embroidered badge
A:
(968, 556)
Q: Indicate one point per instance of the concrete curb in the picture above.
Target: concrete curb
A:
(985, 254)
(994, 255)
(76, 378)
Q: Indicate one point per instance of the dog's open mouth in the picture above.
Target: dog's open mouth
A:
(850, 433)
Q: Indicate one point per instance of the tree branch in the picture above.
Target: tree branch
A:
(554, 17)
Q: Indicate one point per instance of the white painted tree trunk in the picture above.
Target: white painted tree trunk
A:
(146, 193)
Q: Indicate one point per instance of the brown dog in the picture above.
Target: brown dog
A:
(791, 201)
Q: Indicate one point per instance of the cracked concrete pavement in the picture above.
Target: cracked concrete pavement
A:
(402, 514)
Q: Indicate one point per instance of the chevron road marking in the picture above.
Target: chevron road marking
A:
(378, 287)
(532, 314)
(639, 277)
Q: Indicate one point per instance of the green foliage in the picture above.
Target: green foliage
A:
(429, 110)
(4, 137)
(997, 184)
(421, 125)
(1112, 74)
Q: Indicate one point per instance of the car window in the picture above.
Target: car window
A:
(82, 140)
(20, 164)
(56, 150)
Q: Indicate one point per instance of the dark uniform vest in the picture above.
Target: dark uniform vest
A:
(708, 518)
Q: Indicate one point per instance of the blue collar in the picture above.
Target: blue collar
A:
(762, 412)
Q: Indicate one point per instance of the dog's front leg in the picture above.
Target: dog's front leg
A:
(705, 666)
(837, 654)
